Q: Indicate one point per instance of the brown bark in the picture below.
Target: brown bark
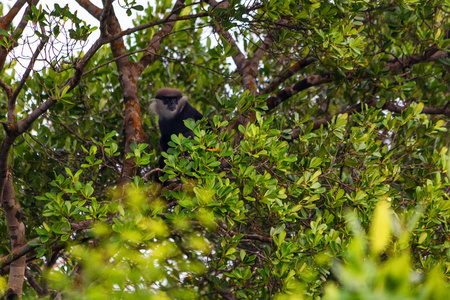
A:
(17, 253)
(91, 8)
(17, 234)
(431, 54)
(288, 92)
(247, 67)
(391, 106)
(6, 144)
(128, 77)
(241, 62)
(40, 290)
(6, 20)
(296, 67)
(8, 90)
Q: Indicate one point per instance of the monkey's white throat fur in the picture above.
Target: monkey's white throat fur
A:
(160, 108)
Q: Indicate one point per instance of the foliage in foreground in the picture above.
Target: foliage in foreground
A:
(279, 218)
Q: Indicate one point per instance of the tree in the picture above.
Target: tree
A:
(325, 172)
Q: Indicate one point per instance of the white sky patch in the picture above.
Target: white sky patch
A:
(29, 41)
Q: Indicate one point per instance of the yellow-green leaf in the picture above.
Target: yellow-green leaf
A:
(380, 231)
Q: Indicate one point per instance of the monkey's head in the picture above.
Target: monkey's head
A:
(168, 102)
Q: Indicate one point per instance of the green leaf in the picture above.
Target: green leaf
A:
(380, 230)
(230, 251)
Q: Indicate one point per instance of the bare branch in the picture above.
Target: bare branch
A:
(24, 250)
(294, 89)
(81, 65)
(391, 106)
(157, 38)
(262, 49)
(12, 100)
(34, 284)
(299, 65)
(151, 24)
(6, 88)
(24, 124)
(23, 22)
(90, 8)
(431, 54)
(6, 20)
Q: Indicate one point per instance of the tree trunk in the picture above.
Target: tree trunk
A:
(17, 233)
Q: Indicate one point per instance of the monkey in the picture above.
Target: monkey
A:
(172, 108)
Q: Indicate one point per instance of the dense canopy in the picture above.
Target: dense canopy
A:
(323, 172)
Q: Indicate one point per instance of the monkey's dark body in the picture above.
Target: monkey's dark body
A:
(175, 125)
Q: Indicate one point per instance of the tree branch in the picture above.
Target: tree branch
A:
(24, 124)
(34, 243)
(90, 8)
(251, 68)
(283, 95)
(12, 100)
(8, 90)
(262, 49)
(17, 253)
(445, 110)
(6, 20)
(157, 38)
(81, 225)
(431, 55)
(23, 22)
(238, 58)
(299, 65)
(34, 284)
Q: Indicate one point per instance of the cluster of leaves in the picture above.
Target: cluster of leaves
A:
(267, 216)
(363, 274)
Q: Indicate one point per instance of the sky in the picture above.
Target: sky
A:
(28, 44)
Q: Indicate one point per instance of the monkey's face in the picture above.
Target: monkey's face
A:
(168, 106)
(170, 102)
